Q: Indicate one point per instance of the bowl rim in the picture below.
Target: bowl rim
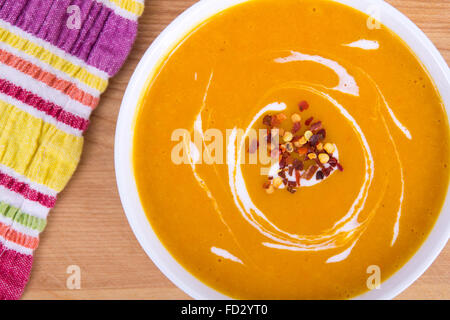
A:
(168, 39)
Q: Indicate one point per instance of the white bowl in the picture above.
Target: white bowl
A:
(181, 26)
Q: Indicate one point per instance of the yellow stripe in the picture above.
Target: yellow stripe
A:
(134, 7)
(37, 149)
(53, 60)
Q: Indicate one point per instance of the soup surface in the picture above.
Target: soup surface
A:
(365, 187)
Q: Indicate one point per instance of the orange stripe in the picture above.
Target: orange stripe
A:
(48, 78)
(18, 238)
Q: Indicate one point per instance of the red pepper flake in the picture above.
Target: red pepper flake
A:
(289, 160)
(267, 184)
(322, 133)
(316, 126)
(327, 171)
(291, 170)
(274, 122)
(278, 119)
(340, 167)
(269, 136)
(310, 172)
(333, 162)
(296, 127)
(282, 163)
(267, 120)
(302, 150)
(291, 189)
(309, 120)
(319, 175)
(314, 140)
(297, 177)
(281, 117)
(321, 166)
(303, 105)
(298, 164)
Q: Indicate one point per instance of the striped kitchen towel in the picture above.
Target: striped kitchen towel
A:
(55, 60)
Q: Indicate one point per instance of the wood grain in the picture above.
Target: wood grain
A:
(88, 227)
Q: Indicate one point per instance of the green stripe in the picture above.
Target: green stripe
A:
(21, 217)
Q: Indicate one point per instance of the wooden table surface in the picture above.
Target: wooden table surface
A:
(88, 227)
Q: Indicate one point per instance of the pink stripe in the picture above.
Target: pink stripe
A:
(67, 87)
(15, 270)
(40, 104)
(103, 40)
(24, 189)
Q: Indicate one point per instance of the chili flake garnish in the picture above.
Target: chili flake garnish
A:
(300, 156)
(319, 175)
(296, 127)
(267, 120)
(316, 126)
(303, 105)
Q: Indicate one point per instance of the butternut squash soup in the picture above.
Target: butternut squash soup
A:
(291, 150)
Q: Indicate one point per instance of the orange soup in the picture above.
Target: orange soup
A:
(291, 150)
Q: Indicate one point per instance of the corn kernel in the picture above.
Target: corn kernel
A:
(300, 142)
(324, 158)
(296, 118)
(312, 155)
(288, 136)
(308, 134)
(277, 181)
(329, 148)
